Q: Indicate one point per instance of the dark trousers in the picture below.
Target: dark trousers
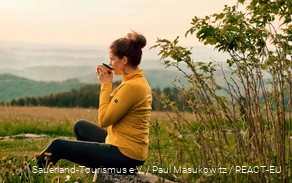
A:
(88, 150)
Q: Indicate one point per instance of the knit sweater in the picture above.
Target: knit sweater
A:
(125, 112)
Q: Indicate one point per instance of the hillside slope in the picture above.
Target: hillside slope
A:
(157, 77)
(15, 87)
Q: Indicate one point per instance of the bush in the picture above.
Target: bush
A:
(243, 124)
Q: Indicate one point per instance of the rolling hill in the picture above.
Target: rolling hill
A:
(15, 87)
(158, 77)
(12, 86)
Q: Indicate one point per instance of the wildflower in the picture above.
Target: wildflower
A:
(6, 172)
(9, 162)
(13, 167)
(4, 158)
(67, 178)
(48, 154)
(47, 158)
(36, 154)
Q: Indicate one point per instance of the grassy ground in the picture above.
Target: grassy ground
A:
(56, 122)
(164, 150)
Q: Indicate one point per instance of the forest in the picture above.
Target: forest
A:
(88, 97)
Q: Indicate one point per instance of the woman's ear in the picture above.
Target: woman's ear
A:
(125, 60)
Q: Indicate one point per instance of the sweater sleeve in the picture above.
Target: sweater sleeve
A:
(110, 111)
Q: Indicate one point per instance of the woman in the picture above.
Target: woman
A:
(124, 112)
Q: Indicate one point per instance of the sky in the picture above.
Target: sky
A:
(101, 21)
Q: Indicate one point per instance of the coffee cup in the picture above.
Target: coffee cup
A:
(108, 68)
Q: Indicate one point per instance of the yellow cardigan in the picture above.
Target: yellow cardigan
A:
(125, 113)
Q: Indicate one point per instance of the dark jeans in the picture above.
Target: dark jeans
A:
(89, 150)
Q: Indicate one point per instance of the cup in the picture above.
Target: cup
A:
(108, 68)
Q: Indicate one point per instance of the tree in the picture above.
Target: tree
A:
(260, 60)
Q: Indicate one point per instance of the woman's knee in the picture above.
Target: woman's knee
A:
(57, 141)
(54, 145)
(78, 124)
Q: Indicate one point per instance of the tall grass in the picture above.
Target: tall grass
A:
(42, 120)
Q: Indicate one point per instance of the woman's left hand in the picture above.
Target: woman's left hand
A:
(103, 76)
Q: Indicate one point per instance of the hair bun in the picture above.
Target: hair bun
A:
(138, 40)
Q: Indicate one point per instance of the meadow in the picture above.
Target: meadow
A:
(181, 147)
(58, 122)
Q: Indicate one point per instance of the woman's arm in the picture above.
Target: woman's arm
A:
(110, 112)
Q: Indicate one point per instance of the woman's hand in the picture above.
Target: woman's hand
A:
(103, 76)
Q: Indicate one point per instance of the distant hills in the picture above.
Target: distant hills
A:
(45, 80)
(28, 69)
(16, 84)
(16, 87)
(157, 75)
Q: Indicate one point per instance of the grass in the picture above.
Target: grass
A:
(50, 121)
(57, 122)
(164, 149)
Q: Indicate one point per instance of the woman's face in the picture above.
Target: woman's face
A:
(116, 63)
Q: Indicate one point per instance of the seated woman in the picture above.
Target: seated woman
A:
(124, 112)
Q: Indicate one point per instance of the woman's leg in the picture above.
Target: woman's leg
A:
(88, 131)
(88, 154)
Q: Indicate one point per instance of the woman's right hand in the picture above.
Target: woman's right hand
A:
(103, 76)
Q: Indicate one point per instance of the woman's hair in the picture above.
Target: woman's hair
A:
(130, 47)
